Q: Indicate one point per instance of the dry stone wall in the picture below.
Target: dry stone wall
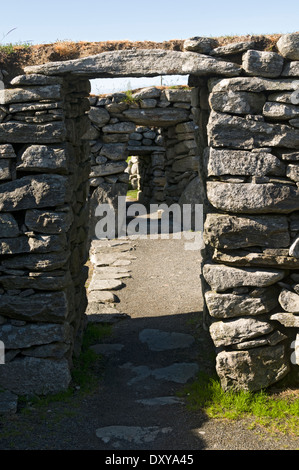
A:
(45, 170)
(244, 116)
(154, 124)
(251, 229)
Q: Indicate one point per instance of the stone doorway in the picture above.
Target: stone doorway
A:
(154, 125)
(245, 176)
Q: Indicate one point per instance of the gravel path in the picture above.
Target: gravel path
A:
(148, 359)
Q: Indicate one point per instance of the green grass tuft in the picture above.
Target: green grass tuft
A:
(10, 48)
(275, 412)
(129, 99)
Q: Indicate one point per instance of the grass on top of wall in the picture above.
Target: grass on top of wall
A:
(274, 411)
(11, 47)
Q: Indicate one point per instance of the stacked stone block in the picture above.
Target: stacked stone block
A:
(251, 231)
(43, 226)
(182, 160)
(247, 99)
(146, 123)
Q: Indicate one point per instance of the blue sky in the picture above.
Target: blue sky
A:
(157, 20)
(137, 20)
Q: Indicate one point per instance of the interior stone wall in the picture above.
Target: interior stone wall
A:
(154, 123)
(249, 171)
(245, 114)
(45, 170)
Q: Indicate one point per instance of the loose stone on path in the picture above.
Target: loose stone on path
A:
(101, 296)
(158, 340)
(111, 272)
(178, 372)
(160, 401)
(130, 434)
(105, 284)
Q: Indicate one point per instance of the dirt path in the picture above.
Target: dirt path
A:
(149, 358)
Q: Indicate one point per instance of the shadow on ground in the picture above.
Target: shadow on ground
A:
(136, 405)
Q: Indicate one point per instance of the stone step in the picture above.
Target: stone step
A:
(158, 340)
(102, 296)
(104, 284)
(107, 349)
(179, 372)
(108, 259)
(122, 262)
(111, 272)
(160, 401)
(97, 308)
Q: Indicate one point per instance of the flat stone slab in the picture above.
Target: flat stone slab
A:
(97, 308)
(226, 230)
(234, 48)
(235, 305)
(107, 349)
(158, 340)
(104, 246)
(287, 319)
(251, 198)
(160, 401)
(130, 434)
(139, 63)
(223, 129)
(157, 117)
(107, 259)
(31, 192)
(104, 284)
(121, 262)
(242, 162)
(221, 277)
(237, 331)
(25, 336)
(19, 132)
(144, 149)
(98, 259)
(111, 272)
(101, 296)
(180, 372)
(253, 84)
(97, 244)
(33, 375)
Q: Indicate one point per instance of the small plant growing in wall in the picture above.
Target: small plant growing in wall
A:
(130, 99)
